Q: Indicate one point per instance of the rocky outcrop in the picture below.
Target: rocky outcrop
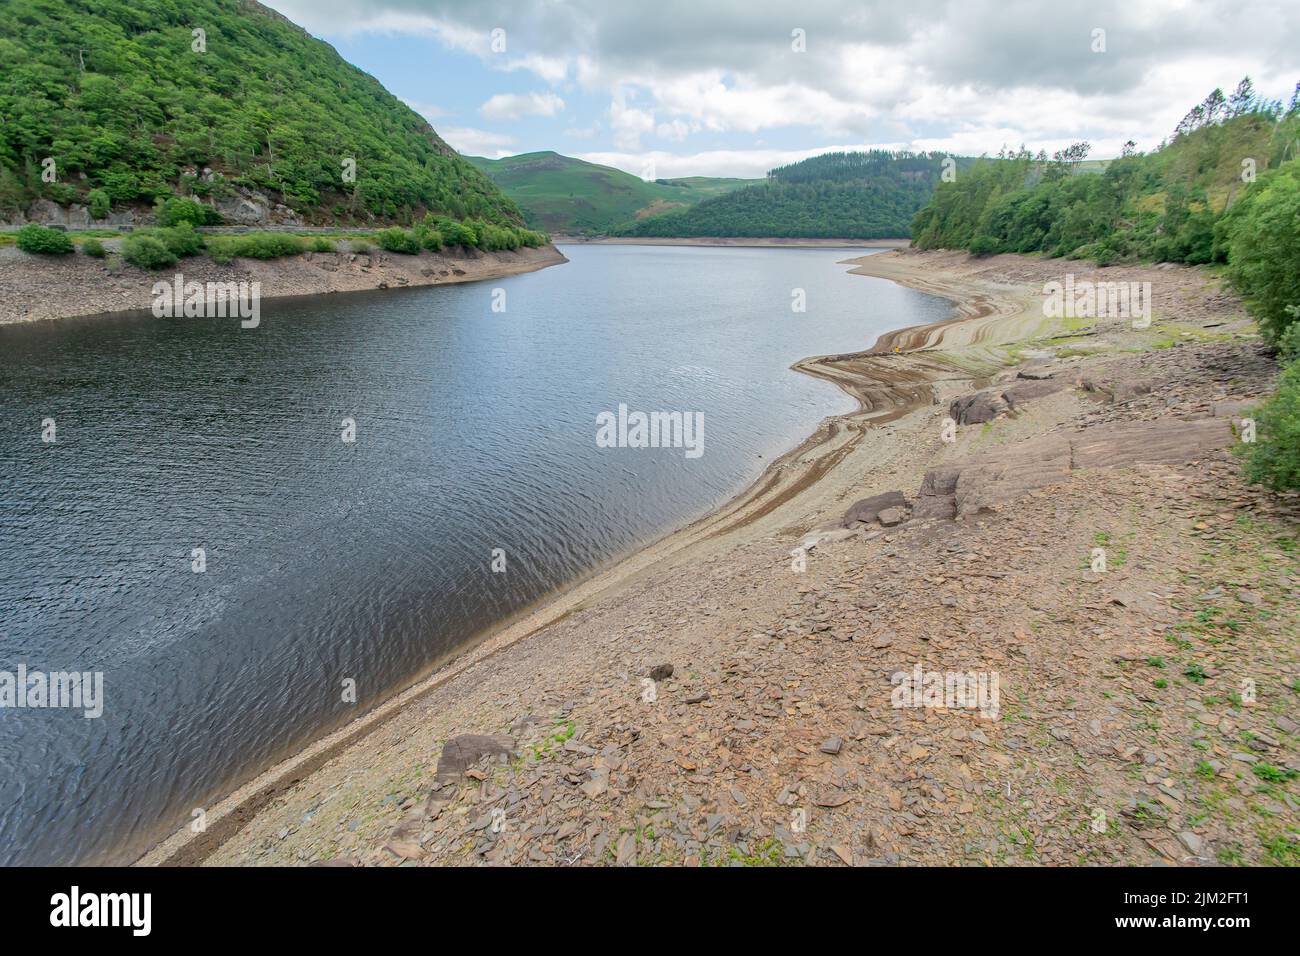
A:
(870, 509)
(987, 404)
(960, 489)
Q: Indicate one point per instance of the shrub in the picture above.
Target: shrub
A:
(42, 241)
(100, 204)
(430, 238)
(1264, 249)
(1273, 459)
(93, 247)
(146, 251)
(182, 240)
(176, 210)
(398, 240)
(321, 244)
(454, 233)
(360, 245)
(255, 245)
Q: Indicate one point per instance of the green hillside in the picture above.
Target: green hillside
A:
(1167, 205)
(560, 194)
(869, 195)
(117, 95)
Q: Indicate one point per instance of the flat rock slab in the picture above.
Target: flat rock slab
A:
(1166, 440)
(964, 488)
(1027, 391)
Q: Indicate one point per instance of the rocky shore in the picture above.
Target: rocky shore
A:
(729, 695)
(55, 287)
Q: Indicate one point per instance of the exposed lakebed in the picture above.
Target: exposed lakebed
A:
(371, 561)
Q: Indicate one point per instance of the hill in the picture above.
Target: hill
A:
(123, 103)
(569, 196)
(1166, 205)
(866, 195)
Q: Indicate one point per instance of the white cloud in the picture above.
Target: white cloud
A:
(969, 75)
(512, 106)
(477, 142)
(628, 123)
(741, 163)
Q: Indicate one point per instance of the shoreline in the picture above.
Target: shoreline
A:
(736, 242)
(886, 386)
(48, 288)
(575, 655)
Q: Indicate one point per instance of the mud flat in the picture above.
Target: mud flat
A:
(779, 698)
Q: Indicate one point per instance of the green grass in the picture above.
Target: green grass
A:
(560, 194)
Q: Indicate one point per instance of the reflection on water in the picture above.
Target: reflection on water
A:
(370, 561)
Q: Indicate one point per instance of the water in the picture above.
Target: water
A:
(370, 560)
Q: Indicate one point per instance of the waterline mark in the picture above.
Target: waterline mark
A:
(651, 430)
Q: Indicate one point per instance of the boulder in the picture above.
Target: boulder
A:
(977, 407)
(869, 509)
(890, 517)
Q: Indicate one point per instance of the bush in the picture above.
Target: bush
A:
(146, 251)
(100, 204)
(93, 248)
(430, 238)
(360, 246)
(321, 244)
(398, 240)
(182, 240)
(255, 245)
(454, 233)
(42, 241)
(1273, 459)
(176, 210)
(1264, 249)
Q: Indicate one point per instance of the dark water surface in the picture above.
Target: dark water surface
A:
(368, 560)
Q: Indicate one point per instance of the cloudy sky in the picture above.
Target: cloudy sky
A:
(734, 87)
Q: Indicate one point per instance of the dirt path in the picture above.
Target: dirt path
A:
(1126, 730)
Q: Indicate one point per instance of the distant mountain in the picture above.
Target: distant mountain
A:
(124, 102)
(866, 195)
(567, 196)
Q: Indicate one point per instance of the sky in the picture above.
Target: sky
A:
(668, 88)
